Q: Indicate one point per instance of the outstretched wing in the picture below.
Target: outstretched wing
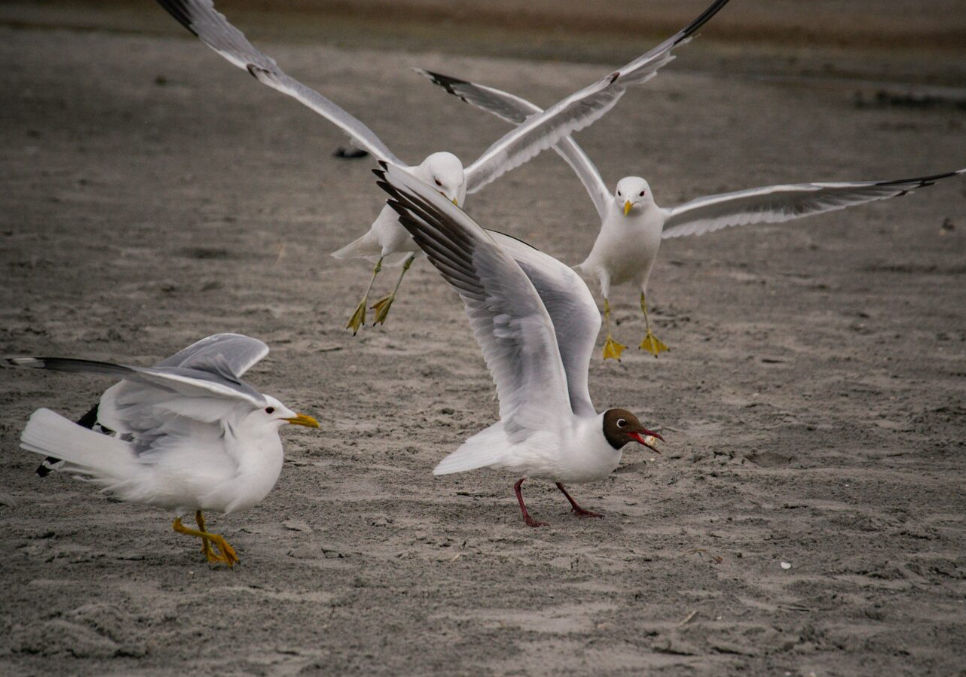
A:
(201, 18)
(576, 320)
(577, 111)
(516, 110)
(776, 204)
(241, 353)
(209, 379)
(508, 318)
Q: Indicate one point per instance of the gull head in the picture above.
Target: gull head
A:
(633, 193)
(622, 427)
(444, 172)
(272, 416)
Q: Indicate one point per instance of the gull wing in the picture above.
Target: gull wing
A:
(571, 306)
(509, 321)
(583, 108)
(209, 379)
(201, 18)
(516, 110)
(241, 353)
(777, 204)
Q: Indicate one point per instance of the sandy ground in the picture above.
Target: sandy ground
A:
(814, 401)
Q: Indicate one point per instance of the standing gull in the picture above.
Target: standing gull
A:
(190, 435)
(632, 225)
(442, 170)
(536, 323)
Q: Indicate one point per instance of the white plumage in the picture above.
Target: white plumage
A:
(536, 323)
(442, 170)
(187, 435)
(632, 225)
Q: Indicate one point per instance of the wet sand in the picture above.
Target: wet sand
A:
(814, 401)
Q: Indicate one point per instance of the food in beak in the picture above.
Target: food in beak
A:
(648, 440)
(302, 419)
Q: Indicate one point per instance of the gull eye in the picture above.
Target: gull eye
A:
(437, 182)
(642, 193)
(269, 410)
(621, 423)
(619, 194)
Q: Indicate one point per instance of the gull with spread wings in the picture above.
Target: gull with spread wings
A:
(442, 170)
(536, 323)
(187, 435)
(632, 225)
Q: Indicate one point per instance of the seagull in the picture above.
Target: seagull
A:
(443, 170)
(632, 225)
(190, 435)
(536, 323)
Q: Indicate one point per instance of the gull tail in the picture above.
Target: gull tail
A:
(52, 463)
(83, 451)
(485, 448)
(365, 247)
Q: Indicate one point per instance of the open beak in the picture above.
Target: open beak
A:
(628, 206)
(643, 439)
(302, 419)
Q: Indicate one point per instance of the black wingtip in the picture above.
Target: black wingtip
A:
(702, 20)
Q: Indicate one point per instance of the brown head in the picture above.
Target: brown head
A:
(621, 427)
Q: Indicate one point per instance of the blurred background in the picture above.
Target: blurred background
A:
(894, 40)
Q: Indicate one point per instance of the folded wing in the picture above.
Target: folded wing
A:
(776, 204)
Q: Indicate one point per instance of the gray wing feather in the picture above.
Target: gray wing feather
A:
(576, 320)
(516, 110)
(209, 378)
(240, 353)
(508, 318)
(577, 111)
(777, 204)
(201, 18)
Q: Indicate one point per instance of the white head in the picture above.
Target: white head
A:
(633, 194)
(444, 172)
(272, 416)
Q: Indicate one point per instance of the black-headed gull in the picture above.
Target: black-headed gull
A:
(632, 225)
(537, 323)
(189, 435)
(442, 170)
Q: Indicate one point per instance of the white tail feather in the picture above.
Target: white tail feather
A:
(485, 448)
(365, 247)
(85, 451)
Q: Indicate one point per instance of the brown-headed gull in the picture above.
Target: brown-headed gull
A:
(536, 323)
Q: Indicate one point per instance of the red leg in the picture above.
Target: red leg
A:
(576, 509)
(523, 506)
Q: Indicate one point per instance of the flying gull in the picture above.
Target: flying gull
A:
(632, 225)
(442, 170)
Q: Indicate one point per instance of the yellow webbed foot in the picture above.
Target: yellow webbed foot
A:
(382, 307)
(613, 349)
(653, 345)
(358, 317)
(227, 555)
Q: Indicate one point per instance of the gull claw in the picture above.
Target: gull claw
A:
(382, 307)
(358, 317)
(653, 345)
(613, 349)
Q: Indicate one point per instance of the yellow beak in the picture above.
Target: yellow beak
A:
(455, 202)
(628, 207)
(302, 419)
